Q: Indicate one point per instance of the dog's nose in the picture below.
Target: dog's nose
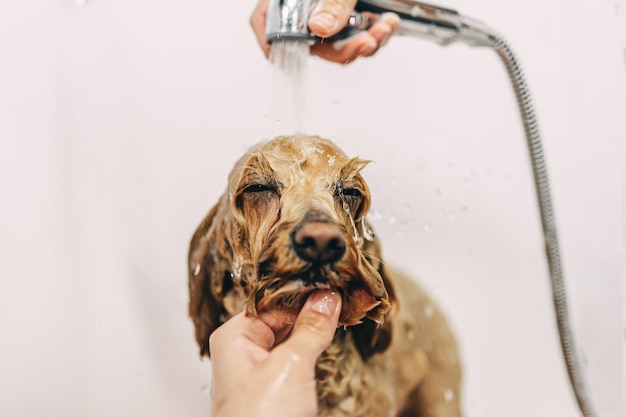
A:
(319, 242)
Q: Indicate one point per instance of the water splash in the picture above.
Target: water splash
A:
(237, 267)
(368, 234)
(289, 95)
(357, 239)
(346, 207)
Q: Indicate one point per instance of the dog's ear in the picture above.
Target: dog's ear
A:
(371, 337)
(209, 263)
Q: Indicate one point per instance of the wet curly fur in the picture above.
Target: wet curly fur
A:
(393, 354)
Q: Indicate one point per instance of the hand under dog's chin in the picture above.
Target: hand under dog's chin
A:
(286, 301)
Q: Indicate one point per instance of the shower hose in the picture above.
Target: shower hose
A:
(533, 138)
(446, 26)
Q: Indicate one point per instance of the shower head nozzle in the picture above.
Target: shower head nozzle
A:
(288, 20)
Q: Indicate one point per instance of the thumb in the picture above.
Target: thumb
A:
(315, 326)
(330, 16)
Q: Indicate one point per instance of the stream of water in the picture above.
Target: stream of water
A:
(289, 94)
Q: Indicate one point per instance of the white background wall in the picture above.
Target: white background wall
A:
(119, 122)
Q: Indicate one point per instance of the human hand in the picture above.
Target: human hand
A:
(265, 366)
(327, 19)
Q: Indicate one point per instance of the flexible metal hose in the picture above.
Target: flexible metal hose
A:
(533, 137)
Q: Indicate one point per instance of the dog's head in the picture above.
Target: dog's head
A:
(292, 221)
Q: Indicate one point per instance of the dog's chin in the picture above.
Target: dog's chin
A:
(289, 297)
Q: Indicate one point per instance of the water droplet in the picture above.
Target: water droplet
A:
(237, 267)
(357, 239)
(331, 160)
(368, 234)
(448, 395)
(196, 269)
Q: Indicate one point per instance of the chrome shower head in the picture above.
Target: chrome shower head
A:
(288, 20)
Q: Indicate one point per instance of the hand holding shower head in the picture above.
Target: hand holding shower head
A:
(288, 20)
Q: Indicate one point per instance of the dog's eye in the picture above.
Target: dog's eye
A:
(350, 192)
(263, 197)
(258, 188)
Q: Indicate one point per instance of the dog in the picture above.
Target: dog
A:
(293, 220)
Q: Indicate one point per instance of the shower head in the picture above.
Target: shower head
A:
(287, 20)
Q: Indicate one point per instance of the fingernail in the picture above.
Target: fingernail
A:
(324, 21)
(325, 302)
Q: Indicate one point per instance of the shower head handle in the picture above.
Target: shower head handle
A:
(424, 20)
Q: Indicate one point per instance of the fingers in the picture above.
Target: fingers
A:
(248, 337)
(326, 20)
(362, 45)
(314, 328)
(330, 16)
(280, 321)
(257, 21)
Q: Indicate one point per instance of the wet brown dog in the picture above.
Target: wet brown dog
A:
(293, 220)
